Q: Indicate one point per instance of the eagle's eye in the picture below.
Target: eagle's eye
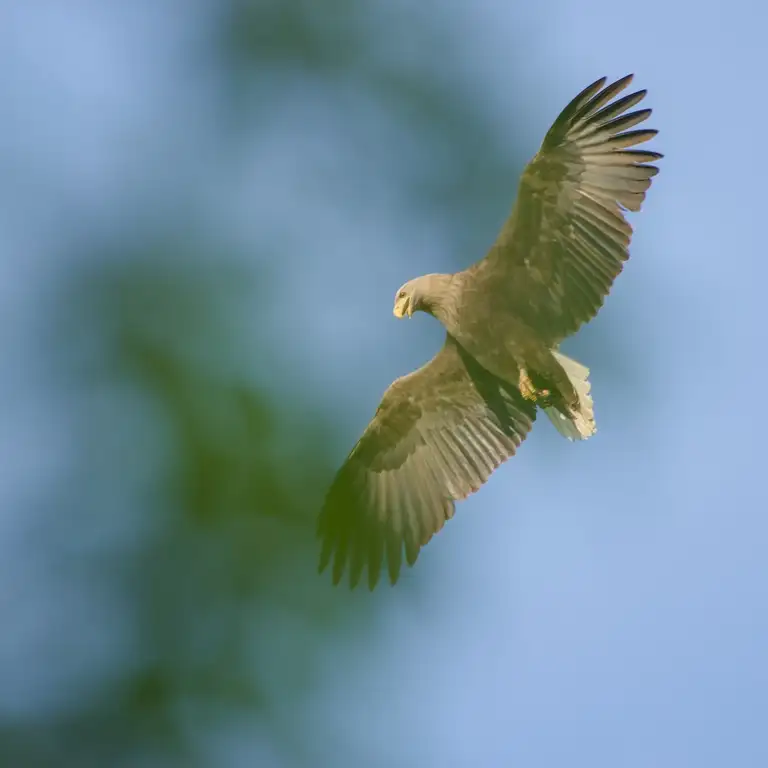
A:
(401, 295)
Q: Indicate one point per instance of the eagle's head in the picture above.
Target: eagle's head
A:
(406, 299)
(428, 293)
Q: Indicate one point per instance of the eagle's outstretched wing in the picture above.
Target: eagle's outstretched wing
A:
(566, 239)
(436, 437)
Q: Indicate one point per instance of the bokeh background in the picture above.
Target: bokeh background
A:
(205, 210)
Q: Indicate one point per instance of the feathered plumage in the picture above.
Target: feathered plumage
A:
(440, 431)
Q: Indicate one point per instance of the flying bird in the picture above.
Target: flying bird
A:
(440, 431)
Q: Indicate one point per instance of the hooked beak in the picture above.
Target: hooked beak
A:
(402, 308)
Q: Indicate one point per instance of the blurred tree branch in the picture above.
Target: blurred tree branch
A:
(187, 519)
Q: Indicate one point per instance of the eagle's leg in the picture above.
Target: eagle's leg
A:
(527, 388)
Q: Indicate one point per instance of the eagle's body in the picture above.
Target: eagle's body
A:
(440, 431)
(488, 328)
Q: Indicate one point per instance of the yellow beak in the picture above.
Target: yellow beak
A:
(402, 308)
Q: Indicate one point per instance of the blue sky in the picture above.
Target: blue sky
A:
(599, 604)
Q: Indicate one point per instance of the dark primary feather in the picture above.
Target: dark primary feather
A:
(436, 437)
(567, 239)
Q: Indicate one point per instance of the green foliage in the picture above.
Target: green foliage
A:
(184, 521)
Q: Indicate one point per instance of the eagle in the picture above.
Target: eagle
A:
(440, 431)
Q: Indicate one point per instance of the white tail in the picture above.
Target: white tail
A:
(576, 424)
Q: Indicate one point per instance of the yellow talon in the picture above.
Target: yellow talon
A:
(528, 390)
